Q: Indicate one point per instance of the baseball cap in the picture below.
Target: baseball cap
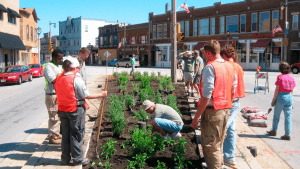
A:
(196, 52)
(73, 60)
(188, 52)
(147, 104)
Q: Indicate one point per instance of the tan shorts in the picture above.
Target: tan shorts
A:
(189, 76)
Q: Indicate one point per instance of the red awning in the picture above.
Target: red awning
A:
(179, 45)
(261, 43)
(149, 48)
(222, 43)
(199, 45)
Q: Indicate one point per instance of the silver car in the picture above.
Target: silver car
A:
(126, 62)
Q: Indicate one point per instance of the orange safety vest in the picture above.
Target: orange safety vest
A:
(222, 95)
(65, 91)
(240, 88)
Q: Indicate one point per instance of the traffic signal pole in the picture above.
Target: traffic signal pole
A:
(173, 43)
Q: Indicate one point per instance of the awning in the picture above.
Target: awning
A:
(14, 12)
(2, 8)
(222, 43)
(8, 41)
(295, 46)
(261, 43)
(199, 45)
(149, 48)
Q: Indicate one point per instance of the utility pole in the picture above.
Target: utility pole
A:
(50, 51)
(173, 43)
(285, 35)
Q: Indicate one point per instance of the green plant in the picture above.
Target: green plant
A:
(93, 164)
(153, 75)
(139, 160)
(160, 165)
(160, 86)
(145, 73)
(116, 113)
(157, 98)
(116, 74)
(141, 115)
(143, 95)
(145, 82)
(137, 76)
(107, 164)
(171, 87)
(178, 157)
(171, 101)
(108, 149)
(129, 100)
(136, 87)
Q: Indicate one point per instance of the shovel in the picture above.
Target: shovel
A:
(270, 109)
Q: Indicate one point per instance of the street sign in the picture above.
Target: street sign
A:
(287, 32)
(235, 37)
(107, 54)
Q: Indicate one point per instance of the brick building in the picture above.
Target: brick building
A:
(29, 36)
(294, 32)
(249, 23)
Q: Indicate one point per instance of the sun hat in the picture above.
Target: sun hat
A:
(74, 61)
(147, 104)
(188, 53)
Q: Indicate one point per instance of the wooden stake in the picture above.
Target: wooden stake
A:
(101, 111)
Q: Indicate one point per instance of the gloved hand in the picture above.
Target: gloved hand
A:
(273, 102)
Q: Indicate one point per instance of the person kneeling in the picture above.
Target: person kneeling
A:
(165, 119)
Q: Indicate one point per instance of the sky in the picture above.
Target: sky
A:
(129, 11)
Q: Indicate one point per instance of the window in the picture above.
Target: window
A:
(187, 29)
(1, 15)
(275, 18)
(204, 27)
(132, 40)
(101, 40)
(295, 22)
(11, 18)
(27, 32)
(165, 31)
(181, 26)
(232, 23)
(254, 22)
(159, 31)
(69, 43)
(243, 23)
(35, 35)
(212, 26)
(78, 41)
(86, 28)
(264, 21)
(74, 42)
(222, 25)
(111, 40)
(195, 28)
(154, 32)
(31, 34)
(143, 39)
(105, 40)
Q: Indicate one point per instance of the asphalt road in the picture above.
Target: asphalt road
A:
(23, 109)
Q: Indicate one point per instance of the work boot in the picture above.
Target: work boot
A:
(271, 133)
(285, 137)
(84, 162)
(176, 136)
(54, 140)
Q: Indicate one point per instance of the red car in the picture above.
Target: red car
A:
(37, 70)
(295, 68)
(15, 74)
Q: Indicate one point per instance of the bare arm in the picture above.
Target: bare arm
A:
(197, 68)
(97, 95)
(203, 103)
(276, 92)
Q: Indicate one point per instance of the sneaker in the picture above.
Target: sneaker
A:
(176, 136)
(230, 162)
(54, 140)
(271, 133)
(84, 162)
(285, 137)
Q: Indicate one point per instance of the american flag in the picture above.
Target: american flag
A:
(276, 29)
(184, 5)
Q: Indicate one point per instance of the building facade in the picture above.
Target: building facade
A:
(294, 32)
(75, 33)
(249, 24)
(29, 36)
(10, 42)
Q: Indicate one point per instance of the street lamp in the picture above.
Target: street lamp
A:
(228, 34)
(39, 31)
(124, 37)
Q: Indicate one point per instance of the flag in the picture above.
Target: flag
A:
(276, 29)
(185, 7)
(120, 44)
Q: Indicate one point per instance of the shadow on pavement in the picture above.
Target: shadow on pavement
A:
(19, 146)
(257, 136)
(37, 131)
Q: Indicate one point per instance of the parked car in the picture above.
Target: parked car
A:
(37, 70)
(126, 62)
(113, 62)
(295, 68)
(15, 74)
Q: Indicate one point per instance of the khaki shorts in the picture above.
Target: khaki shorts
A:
(189, 76)
(197, 79)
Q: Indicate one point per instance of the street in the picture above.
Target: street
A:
(23, 110)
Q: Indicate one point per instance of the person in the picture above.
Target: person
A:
(165, 119)
(228, 54)
(84, 54)
(198, 72)
(189, 68)
(51, 70)
(283, 100)
(218, 87)
(71, 94)
(132, 64)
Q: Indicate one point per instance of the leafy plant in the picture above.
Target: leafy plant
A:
(160, 86)
(171, 87)
(145, 82)
(141, 115)
(179, 150)
(129, 100)
(157, 98)
(160, 165)
(143, 95)
(107, 164)
(153, 75)
(93, 164)
(116, 113)
(138, 76)
(108, 149)
(139, 160)
(145, 73)
(171, 101)
(135, 87)
(116, 74)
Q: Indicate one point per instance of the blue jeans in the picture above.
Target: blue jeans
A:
(284, 102)
(230, 140)
(168, 125)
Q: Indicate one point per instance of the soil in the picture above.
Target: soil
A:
(120, 159)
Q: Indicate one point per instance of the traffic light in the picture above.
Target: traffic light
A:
(51, 45)
(287, 42)
(180, 35)
(233, 44)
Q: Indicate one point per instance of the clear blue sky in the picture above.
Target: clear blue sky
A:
(130, 11)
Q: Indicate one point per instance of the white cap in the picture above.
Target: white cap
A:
(74, 61)
(188, 53)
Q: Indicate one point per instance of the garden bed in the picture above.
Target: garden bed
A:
(121, 157)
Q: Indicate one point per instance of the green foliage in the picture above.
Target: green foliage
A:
(157, 98)
(178, 157)
(171, 101)
(145, 73)
(139, 160)
(129, 100)
(137, 76)
(123, 79)
(124, 73)
(153, 75)
(145, 82)
(160, 86)
(93, 164)
(116, 114)
(136, 87)
(116, 74)
(171, 87)
(143, 95)
(160, 165)
(141, 115)
(107, 164)
(108, 149)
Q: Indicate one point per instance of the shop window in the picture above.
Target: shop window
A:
(254, 22)
(165, 31)
(11, 18)
(241, 52)
(295, 22)
(276, 52)
(163, 53)
(232, 23)
(264, 21)
(212, 26)
(204, 27)
(195, 28)
(159, 31)
(275, 17)
(154, 32)
(187, 29)
(243, 23)
(222, 25)
(253, 57)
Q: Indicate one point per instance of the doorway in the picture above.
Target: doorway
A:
(152, 58)
(264, 60)
(6, 59)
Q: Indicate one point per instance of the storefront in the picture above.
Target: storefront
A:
(295, 52)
